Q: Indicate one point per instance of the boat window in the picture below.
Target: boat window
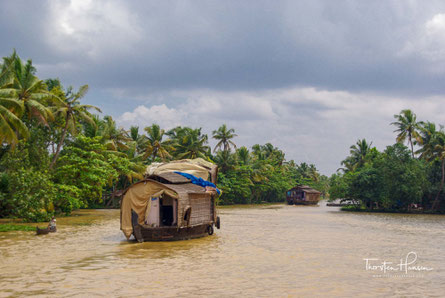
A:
(187, 214)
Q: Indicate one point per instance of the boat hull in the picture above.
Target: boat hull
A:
(45, 231)
(301, 202)
(144, 233)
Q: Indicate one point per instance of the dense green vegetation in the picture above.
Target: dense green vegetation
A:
(57, 156)
(400, 178)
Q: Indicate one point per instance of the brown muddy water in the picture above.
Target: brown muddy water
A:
(260, 251)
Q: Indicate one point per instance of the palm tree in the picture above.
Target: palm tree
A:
(72, 111)
(94, 129)
(114, 138)
(243, 155)
(304, 170)
(406, 127)
(360, 151)
(224, 136)
(155, 146)
(427, 131)
(313, 173)
(258, 152)
(10, 123)
(359, 155)
(225, 161)
(137, 142)
(188, 142)
(30, 90)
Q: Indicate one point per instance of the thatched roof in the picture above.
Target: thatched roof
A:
(306, 189)
(172, 177)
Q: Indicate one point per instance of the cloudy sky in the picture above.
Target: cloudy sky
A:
(311, 77)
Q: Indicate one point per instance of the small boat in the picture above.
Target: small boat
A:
(45, 231)
(175, 201)
(302, 195)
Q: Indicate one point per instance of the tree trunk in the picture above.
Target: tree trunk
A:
(412, 147)
(436, 200)
(59, 146)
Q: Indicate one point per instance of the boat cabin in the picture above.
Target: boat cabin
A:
(302, 195)
(176, 201)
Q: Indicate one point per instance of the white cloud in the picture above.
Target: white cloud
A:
(160, 114)
(92, 27)
(309, 125)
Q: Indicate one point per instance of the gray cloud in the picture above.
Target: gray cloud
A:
(359, 46)
(299, 70)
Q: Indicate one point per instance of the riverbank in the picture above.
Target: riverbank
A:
(81, 217)
(362, 209)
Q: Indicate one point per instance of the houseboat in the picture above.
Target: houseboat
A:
(175, 201)
(302, 195)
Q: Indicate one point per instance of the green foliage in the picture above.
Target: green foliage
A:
(392, 181)
(258, 176)
(26, 191)
(82, 164)
(235, 186)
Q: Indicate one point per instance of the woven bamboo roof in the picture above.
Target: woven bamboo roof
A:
(306, 189)
(186, 188)
(174, 178)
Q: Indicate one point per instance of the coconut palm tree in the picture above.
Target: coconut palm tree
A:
(360, 151)
(224, 136)
(313, 173)
(427, 131)
(10, 108)
(10, 124)
(243, 155)
(95, 129)
(188, 142)
(358, 155)
(30, 90)
(114, 138)
(72, 111)
(304, 170)
(407, 127)
(154, 145)
(225, 161)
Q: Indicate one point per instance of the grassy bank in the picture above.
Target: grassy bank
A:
(7, 227)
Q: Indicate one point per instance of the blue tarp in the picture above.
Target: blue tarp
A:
(199, 181)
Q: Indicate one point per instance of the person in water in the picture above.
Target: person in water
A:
(52, 224)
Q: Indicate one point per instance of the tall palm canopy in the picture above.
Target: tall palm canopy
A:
(71, 111)
(188, 142)
(10, 108)
(32, 92)
(243, 155)
(358, 155)
(224, 136)
(407, 127)
(155, 146)
(114, 138)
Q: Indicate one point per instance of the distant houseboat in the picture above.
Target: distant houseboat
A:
(302, 195)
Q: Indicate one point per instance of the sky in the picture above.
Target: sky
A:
(311, 77)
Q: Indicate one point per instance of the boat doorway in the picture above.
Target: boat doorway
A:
(168, 211)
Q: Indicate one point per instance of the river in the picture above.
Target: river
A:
(260, 251)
